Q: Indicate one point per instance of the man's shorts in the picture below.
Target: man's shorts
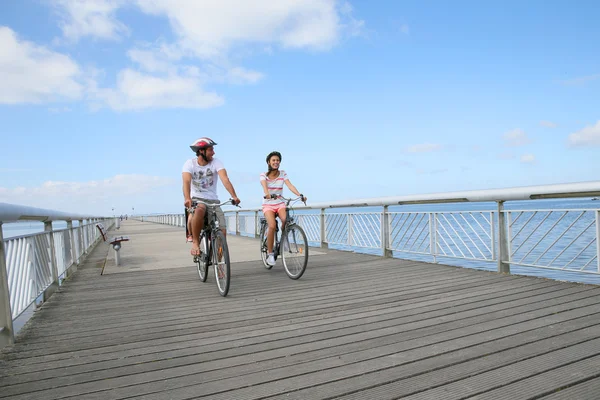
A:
(218, 210)
(273, 207)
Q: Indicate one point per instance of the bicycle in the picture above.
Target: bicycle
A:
(293, 242)
(211, 238)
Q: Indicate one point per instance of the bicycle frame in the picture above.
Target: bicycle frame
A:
(289, 219)
(210, 233)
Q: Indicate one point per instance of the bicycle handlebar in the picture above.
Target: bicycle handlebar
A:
(289, 199)
(195, 203)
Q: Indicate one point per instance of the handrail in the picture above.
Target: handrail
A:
(556, 191)
(15, 213)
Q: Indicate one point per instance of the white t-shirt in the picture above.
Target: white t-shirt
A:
(275, 186)
(204, 178)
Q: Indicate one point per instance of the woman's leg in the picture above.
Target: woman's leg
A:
(281, 213)
(272, 224)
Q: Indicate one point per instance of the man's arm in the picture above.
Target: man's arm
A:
(227, 183)
(187, 188)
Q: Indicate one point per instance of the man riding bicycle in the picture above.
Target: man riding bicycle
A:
(200, 176)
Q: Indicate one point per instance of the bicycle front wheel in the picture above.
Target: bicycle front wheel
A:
(294, 251)
(220, 253)
(203, 258)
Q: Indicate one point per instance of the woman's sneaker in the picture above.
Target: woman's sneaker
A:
(271, 259)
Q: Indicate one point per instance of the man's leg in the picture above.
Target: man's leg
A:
(197, 225)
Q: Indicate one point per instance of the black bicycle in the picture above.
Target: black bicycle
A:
(213, 248)
(292, 244)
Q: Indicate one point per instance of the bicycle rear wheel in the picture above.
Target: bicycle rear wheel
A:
(263, 246)
(203, 259)
(294, 251)
(220, 256)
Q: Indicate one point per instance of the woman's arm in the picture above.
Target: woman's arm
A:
(294, 190)
(265, 189)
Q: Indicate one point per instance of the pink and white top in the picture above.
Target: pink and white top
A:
(275, 186)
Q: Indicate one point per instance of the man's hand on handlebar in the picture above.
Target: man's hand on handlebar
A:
(235, 201)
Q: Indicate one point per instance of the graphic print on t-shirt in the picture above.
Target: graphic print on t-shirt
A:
(208, 180)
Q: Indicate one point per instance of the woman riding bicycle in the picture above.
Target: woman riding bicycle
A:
(272, 182)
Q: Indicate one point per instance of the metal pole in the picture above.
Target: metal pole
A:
(433, 235)
(256, 224)
(598, 239)
(350, 230)
(503, 256)
(493, 234)
(81, 245)
(117, 257)
(322, 219)
(385, 233)
(54, 267)
(72, 239)
(7, 334)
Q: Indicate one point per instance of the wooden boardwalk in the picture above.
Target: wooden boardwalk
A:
(353, 327)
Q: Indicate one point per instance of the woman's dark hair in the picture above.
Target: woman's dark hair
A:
(271, 154)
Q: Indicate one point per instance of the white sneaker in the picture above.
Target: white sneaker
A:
(271, 259)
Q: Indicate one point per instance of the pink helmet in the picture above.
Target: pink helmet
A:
(202, 143)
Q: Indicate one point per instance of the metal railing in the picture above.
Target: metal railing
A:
(32, 266)
(557, 239)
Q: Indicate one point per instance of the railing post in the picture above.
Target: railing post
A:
(54, 267)
(493, 234)
(72, 239)
(237, 223)
(81, 245)
(7, 334)
(433, 235)
(256, 224)
(598, 239)
(385, 233)
(503, 255)
(350, 230)
(322, 223)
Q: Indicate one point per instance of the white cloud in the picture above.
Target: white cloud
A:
(151, 61)
(242, 75)
(424, 148)
(516, 138)
(582, 80)
(211, 29)
(136, 91)
(210, 41)
(548, 124)
(94, 18)
(78, 196)
(57, 110)
(35, 74)
(588, 136)
(528, 159)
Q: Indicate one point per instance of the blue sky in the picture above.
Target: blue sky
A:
(99, 100)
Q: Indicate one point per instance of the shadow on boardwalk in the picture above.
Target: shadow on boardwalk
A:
(354, 326)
